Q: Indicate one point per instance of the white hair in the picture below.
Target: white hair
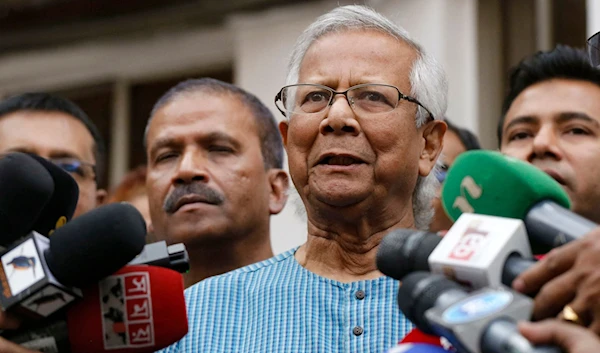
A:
(427, 79)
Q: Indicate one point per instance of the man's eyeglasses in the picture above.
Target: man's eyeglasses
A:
(441, 172)
(370, 98)
(593, 48)
(76, 167)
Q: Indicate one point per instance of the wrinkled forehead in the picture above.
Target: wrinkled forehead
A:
(360, 55)
(197, 114)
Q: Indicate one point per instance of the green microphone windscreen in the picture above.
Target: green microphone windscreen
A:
(490, 183)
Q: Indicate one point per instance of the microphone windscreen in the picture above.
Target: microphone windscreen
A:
(25, 188)
(62, 204)
(490, 183)
(138, 309)
(96, 244)
(403, 251)
(418, 293)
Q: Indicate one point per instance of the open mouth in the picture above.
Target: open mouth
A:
(340, 160)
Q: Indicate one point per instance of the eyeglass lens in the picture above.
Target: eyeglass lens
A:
(314, 99)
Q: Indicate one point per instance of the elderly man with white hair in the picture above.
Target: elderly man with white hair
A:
(362, 138)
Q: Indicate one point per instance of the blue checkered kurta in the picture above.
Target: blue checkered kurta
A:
(278, 306)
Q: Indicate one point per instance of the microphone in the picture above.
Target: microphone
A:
(488, 182)
(158, 253)
(482, 321)
(61, 206)
(137, 309)
(26, 187)
(41, 275)
(478, 251)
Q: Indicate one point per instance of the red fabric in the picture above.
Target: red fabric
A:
(416, 336)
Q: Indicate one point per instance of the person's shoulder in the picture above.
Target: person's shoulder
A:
(246, 275)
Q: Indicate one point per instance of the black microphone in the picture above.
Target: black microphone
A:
(41, 275)
(482, 321)
(403, 251)
(174, 257)
(25, 189)
(61, 206)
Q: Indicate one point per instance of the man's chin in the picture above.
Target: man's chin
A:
(196, 234)
(340, 200)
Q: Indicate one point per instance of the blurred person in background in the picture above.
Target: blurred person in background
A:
(57, 129)
(456, 141)
(215, 176)
(132, 189)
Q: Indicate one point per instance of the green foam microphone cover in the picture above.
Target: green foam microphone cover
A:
(490, 183)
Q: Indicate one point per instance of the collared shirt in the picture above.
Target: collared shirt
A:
(277, 306)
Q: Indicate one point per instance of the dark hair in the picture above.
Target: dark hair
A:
(44, 102)
(561, 62)
(271, 143)
(468, 139)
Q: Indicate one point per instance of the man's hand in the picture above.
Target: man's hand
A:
(8, 322)
(568, 275)
(570, 337)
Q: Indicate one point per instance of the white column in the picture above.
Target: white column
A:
(593, 17)
(119, 146)
(543, 24)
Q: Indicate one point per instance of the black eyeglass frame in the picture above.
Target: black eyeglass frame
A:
(64, 161)
(401, 96)
(593, 48)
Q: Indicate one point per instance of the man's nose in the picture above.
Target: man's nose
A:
(545, 144)
(192, 167)
(340, 118)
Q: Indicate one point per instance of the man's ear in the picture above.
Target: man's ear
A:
(100, 197)
(279, 184)
(283, 130)
(433, 137)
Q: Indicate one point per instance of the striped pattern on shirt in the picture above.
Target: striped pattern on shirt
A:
(279, 306)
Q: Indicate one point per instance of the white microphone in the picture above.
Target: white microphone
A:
(475, 250)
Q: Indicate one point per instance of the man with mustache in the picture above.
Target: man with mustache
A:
(551, 119)
(362, 131)
(214, 175)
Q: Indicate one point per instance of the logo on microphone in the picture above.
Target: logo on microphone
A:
(477, 307)
(127, 311)
(471, 240)
(470, 187)
(62, 220)
(22, 266)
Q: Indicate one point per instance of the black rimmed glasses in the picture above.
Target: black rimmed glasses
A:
(75, 167)
(593, 48)
(369, 98)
